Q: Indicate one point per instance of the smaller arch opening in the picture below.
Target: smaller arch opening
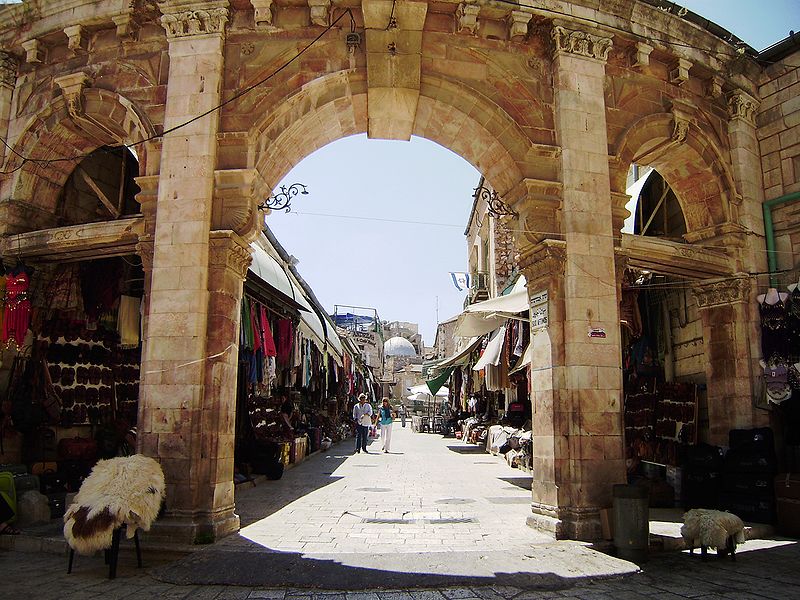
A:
(654, 207)
(101, 188)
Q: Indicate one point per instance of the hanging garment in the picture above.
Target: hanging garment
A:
(266, 334)
(247, 324)
(285, 341)
(255, 326)
(793, 324)
(774, 333)
(128, 321)
(64, 292)
(2, 300)
(17, 314)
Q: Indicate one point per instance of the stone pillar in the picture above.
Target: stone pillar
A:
(8, 79)
(578, 379)
(724, 309)
(174, 400)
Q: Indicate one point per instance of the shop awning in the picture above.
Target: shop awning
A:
(524, 360)
(442, 392)
(460, 357)
(438, 381)
(310, 325)
(491, 356)
(486, 316)
(269, 271)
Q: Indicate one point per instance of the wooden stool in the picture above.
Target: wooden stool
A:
(111, 555)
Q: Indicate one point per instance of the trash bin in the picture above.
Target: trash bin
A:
(631, 522)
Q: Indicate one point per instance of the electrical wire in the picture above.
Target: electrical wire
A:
(238, 95)
(348, 11)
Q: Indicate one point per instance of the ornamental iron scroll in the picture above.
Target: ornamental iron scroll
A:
(721, 293)
(581, 43)
(495, 205)
(195, 22)
(282, 200)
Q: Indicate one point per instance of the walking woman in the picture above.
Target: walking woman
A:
(386, 415)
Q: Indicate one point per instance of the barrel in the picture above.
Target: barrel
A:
(631, 522)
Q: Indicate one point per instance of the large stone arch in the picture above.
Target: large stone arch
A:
(689, 159)
(68, 129)
(334, 106)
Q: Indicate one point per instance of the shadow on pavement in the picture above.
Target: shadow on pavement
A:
(259, 567)
(521, 482)
(467, 449)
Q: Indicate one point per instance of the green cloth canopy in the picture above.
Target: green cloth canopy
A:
(437, 382)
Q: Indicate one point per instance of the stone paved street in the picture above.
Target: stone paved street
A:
(434, 520)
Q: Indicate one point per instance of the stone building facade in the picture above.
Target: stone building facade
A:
(219, 99)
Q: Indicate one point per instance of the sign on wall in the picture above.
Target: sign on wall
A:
(539, 312)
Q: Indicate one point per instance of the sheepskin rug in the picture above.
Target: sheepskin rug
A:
(127, 490)
(705, 527)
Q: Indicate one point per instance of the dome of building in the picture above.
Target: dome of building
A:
(398, 346)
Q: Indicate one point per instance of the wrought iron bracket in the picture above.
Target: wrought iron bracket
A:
(282, 200)
(496, 206)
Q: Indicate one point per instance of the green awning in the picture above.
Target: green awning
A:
(437, 382)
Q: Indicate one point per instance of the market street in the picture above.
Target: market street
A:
(434, 520)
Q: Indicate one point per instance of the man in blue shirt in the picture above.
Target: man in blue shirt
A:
(362, 415)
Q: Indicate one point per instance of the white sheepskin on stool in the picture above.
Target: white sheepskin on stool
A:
(704, 527)
(126, 490)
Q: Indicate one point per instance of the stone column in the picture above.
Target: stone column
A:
(724, 308)
(578, 380)
(174, 397)
(747, 174)
(8, 79)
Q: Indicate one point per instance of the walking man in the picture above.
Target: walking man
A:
(402, 411)
(362, 415)
(386, 416)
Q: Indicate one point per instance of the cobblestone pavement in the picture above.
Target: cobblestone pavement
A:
(449, 526)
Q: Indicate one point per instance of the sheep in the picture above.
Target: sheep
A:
(714, 529)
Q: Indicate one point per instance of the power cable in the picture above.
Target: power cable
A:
(248, 89)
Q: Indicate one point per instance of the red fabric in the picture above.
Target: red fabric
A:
(266, 334)
(285, 340)
(18, 309)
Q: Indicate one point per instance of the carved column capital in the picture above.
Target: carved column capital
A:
(72, 87)
(742, 106)
(185, 23)
(538, 203)
(580, 43)
(467, 17)
(226, 250)
(235, 205)
(721, 293)
(547, 259)
(8, 69)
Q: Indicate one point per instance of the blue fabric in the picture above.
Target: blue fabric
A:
(386, 415)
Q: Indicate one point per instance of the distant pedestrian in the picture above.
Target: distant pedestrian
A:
(402, 412)
(386, 415)
(362, 415)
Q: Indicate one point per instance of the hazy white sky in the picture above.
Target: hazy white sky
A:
(353, 234)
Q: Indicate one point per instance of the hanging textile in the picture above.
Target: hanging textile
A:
(266, 333)
(64, 292)
(255, 326)
(285, 341)
(17, 314)
(247, 323)
(128, 321)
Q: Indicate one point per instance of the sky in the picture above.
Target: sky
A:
(383, 224)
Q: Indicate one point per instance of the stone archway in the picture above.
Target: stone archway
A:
(534, 98)
(75, 124)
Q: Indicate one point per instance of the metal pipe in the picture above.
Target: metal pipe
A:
(769, 231)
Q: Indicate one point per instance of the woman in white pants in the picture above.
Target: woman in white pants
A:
(386, 415)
